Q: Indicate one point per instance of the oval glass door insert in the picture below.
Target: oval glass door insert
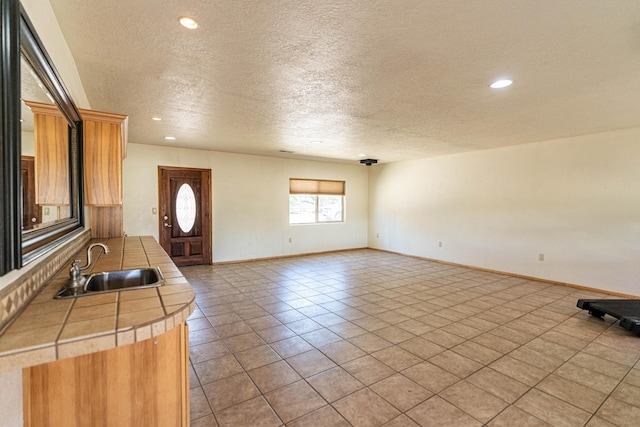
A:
(186, 208)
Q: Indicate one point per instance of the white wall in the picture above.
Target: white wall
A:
(250, 201)
(575, 200)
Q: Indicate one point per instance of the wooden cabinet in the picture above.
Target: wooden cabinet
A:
(105, 142)
(51, 149)
(142, 384)
(104, 148)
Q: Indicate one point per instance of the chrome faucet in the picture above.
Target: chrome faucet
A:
(76, 279)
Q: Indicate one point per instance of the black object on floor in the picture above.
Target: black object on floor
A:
(627, 310)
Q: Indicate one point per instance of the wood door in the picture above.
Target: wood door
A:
(185, 214)
(30, 210)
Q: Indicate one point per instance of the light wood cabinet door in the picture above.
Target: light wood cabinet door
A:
(103, 147)
(142, 384)
(51, 150)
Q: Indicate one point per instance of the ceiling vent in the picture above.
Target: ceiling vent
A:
(368, 162)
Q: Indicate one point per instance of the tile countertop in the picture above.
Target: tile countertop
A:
(50, 329)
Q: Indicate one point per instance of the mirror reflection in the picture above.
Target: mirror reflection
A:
(45, 155)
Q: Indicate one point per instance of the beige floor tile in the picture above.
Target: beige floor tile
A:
(633, 377)
(303, 326)
(619, 413)
(434, 323)
(535, 358)
(320, 337)
(498, 384)
(323, 417)
(199, 403)
(415, 327)
(347, 330)
(596, 421)
(627, 393)
(273, 376)
(627, 357)
(368, 369)
(603, 366)
(243, 342)
(255, 412)
(514, 417)
(291, 346)
(202, 336)
(256, 357)
(216, 369)
(369, 342)
(422, 348)
(342, 351)
(230, 391)
(364, 408)
(518, 370)
(436, 412)
(477, 352)
(587, 377)
(334, 384)
(394, 335)
(294, 400)
(310, 363)
(401, 421)
(401, 392)
(232, 329)
(397, 358)
(275, 333)
(455, 363)
(206, 421)
(207, 351)
(551, 409)
(578, 395)
(442, 338)
(473, 400)
(262, 322)
(430, 376)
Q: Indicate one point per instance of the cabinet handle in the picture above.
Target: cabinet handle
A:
(168, 225)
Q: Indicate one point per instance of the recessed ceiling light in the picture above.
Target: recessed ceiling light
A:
(187, 22)
(316, 142)
(499, 84)
(362, 155)
(157, 119)
(170, 138)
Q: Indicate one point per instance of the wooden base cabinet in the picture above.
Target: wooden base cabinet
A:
(142, 384)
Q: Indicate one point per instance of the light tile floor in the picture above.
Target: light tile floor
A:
(368, 338)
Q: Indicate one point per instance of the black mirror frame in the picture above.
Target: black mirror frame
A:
(16, 248)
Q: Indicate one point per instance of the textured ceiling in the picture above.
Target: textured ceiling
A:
(395, 79)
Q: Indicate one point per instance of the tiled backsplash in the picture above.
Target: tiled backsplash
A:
(30, 279)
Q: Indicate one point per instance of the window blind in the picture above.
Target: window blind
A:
(316, 186)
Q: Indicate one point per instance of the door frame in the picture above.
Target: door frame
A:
(207, 220)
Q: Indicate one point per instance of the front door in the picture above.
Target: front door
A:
(185, 214)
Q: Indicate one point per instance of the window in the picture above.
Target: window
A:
(315, 201)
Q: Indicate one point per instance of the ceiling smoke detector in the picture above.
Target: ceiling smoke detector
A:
(368, 162)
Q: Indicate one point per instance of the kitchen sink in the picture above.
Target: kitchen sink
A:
(111, 281)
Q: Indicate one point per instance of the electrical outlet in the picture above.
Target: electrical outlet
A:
(540, 257)
(377, 235)
(154, 211)
(289, 239)
(439, 244)
(46, 211)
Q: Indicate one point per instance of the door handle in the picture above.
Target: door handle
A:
(168, 225)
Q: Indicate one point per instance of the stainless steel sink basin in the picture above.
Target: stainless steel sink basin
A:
(111, 281)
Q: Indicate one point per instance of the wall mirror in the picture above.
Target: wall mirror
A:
(42, 148)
